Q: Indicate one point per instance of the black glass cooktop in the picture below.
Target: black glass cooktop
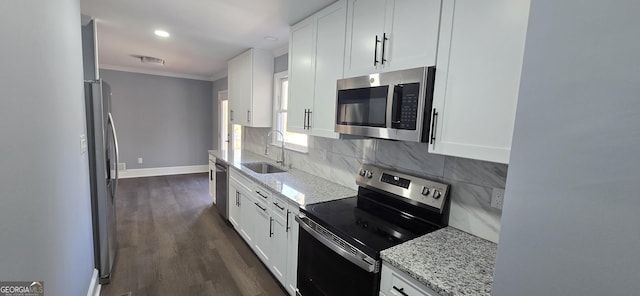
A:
(367, 224)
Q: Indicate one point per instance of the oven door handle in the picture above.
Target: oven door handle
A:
(363, 261)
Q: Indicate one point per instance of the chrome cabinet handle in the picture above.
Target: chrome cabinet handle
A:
(375, 52)
(434, 118)
(287, 229)
(263, 196)
(278, 205)
(309, 119)
(400, 290)
(259, 206)
(248, 115)
(230, 115)
(270, 226)
(384, 42)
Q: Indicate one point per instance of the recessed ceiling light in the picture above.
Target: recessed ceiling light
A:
(270, 38)
(161, 33)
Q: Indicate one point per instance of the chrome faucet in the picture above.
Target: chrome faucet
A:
(266, 147)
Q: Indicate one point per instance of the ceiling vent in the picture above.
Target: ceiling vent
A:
(150, 60)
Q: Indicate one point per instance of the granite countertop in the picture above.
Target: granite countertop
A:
(298, 186)
(449, 261)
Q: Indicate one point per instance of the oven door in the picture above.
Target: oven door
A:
(329, 266)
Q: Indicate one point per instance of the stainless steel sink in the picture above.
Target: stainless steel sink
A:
(263, 168)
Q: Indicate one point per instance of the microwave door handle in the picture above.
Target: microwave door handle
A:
(396, 110)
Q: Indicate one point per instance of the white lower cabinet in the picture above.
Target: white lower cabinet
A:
(266, 221)
(212, 179)
(247, 216)
(278, 263)
(394, 282)
(263, 227)
(233, 202)
(292, 250)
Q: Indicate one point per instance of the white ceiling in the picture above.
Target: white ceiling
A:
(204, 33)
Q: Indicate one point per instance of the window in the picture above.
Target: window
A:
(293, 141)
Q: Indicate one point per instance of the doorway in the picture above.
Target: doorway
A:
(223, 111)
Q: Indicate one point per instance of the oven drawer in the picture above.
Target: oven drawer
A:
(397, 283)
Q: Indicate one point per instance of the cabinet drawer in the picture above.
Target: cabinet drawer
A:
(241, 179)
(279, 206)
(401, 287)
(262, 194)
(396, 283)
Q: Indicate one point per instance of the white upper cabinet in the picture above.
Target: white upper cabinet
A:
(478, 70)
(301, 74)
(412, 34)
(389, 35)
(316, 55)
(250, 85)
(365, 26)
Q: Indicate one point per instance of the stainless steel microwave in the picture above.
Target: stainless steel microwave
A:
(392, 105)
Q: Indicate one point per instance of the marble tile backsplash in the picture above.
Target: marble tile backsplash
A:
(472, 181)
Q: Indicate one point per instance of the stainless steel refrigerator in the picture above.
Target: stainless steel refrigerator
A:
(103, 164)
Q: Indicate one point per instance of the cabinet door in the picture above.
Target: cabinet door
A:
(263, 227)
(234, 204)
(240, 87)
(301, 74)
(330, 24)
(292, 241)
(247, 216)
(365, 21)
(279, 246)
(212, 181)
(411, 28)
(479, 62)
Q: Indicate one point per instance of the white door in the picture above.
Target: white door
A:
(478, 77)
(223, 120)
(411, 28)
(365, 22)
(330, 26)
(301, 73)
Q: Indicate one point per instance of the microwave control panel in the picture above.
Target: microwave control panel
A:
(405, 108)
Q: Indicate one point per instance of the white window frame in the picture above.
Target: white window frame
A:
(277, 96)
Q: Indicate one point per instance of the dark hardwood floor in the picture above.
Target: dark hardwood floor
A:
(171, 241)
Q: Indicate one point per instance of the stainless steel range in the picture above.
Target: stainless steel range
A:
(340, 241)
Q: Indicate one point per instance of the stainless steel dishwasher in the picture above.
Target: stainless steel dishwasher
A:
(222, 185)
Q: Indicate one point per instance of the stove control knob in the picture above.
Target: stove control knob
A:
(425, 190)
(369, 175)
(362, 172)
(436, 194)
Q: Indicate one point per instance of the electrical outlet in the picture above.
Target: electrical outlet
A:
(139, 160)
(497, 198)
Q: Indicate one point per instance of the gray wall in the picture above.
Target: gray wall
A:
(218, 85)
(164, 120)
(45, 212)
(572, 211)
(281, 63)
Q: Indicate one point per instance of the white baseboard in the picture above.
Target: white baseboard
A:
(164, 171)
(94, 285)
